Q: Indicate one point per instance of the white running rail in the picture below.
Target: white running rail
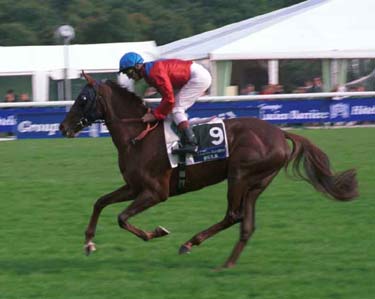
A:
(335, 95)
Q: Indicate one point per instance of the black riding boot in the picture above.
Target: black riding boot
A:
(189, 142)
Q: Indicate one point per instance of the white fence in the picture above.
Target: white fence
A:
(333, 95)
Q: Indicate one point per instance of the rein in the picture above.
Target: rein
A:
(141, 135)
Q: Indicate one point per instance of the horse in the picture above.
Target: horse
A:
(258, 150)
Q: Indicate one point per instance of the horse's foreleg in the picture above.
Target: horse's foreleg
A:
(122, 194)
(144, 200)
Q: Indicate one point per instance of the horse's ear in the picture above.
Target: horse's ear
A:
(90, 80)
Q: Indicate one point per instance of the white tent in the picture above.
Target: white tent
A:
(324, 29)
(332, 29)
(44, 62)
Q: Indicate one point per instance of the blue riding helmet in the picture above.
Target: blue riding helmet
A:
(130, 59)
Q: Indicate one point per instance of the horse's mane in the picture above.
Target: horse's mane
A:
(123, 91)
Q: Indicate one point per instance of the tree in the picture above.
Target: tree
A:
(169, 27)
(34, 21)
(17, 34)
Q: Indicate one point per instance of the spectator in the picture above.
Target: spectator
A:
(10, 96)
(249, 89)
(360, 88)
(317, 85)
(24, 97)
(279, 89)
(339, 88)
(300, 89)
(309, 86)
(268, 89)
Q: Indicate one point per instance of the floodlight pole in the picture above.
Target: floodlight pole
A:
(67, 83)
(66, 32)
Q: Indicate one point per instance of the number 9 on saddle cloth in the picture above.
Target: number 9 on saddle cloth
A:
(211, 136)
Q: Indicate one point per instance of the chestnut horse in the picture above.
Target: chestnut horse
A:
(257, 152)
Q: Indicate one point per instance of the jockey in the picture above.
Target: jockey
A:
(179, 82)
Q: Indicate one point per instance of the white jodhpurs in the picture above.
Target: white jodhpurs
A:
(200, 81)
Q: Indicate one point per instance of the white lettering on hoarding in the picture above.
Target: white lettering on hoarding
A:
(312, 114)
(8, 121)
(295, 114)
(274, 116)
(270, 107)
(103, 129)
(229, 114)
(28, 127)
(361, 110)
(339, 110)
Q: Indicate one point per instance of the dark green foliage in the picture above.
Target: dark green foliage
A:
(34, 22)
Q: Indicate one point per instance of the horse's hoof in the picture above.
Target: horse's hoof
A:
(224, 267)
(228, 265)
(89, 247)
(161, 231)
(184, 249)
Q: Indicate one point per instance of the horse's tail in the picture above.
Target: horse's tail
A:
(341, 186)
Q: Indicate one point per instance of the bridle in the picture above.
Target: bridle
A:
(89, 113)
(90, 116)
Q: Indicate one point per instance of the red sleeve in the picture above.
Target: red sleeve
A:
(164, 86)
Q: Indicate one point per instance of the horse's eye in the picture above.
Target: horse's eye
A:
(84, 98)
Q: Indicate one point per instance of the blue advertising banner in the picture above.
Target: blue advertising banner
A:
(46, 125)
(317, 111)
(8, 117)
(294, 111)
(352, 110)
(299, 111)
(44, 122)
(8, 120)
(39, 125)
(225, 109)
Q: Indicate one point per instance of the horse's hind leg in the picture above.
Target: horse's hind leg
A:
(247, 228)
(248, 222)
(233, 215)
(122, 194)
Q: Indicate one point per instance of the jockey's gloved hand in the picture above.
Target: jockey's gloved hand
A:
(149, 117)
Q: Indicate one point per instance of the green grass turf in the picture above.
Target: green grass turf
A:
(305, 246)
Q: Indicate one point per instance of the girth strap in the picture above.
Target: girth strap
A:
(181, 172)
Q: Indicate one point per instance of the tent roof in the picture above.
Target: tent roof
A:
(311, 29)
(25, 60)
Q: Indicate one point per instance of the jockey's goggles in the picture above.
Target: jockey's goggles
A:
(128, 71)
